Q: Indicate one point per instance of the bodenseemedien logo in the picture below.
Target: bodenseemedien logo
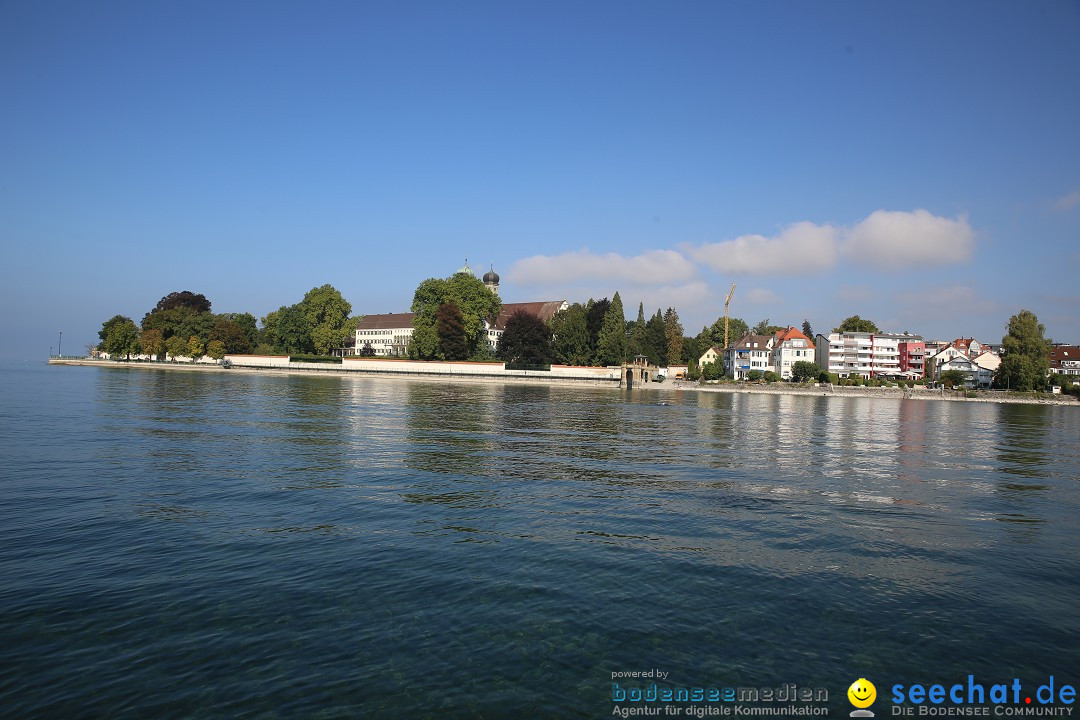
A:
(862, 694)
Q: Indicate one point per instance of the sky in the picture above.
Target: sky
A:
(915, 163)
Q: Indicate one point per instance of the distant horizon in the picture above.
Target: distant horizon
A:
(916, 165)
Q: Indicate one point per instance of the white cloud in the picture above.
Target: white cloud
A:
(798, 248)
(761, 296)
(650, 268)
(908, 239)
(1068, 202)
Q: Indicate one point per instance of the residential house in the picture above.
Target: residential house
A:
(789, 347)
(1065, 360)
(750, 352)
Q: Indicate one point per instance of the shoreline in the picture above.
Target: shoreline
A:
(668, 386)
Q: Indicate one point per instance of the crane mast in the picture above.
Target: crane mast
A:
(727, 301)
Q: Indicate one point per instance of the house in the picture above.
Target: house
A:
(1065, 360)
(975, 376)
(789, 347)
(962, 347)
(750, 352)
(713, 354)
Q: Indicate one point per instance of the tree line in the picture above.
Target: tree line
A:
(182, 324)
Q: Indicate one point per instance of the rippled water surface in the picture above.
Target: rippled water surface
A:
(226, 545)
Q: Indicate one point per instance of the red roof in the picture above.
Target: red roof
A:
(545, 310)
(386, 321)
(792, 333)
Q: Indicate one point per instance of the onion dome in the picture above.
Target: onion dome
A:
(491, 277)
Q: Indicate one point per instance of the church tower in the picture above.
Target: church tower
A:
(491, 280)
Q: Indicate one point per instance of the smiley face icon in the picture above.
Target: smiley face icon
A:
(862, 693)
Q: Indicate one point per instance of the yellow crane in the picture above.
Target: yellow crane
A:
(727, 301)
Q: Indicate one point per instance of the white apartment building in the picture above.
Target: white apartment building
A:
(789, 347)
(846, 354)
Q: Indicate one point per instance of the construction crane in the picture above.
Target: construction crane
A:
(727, 301)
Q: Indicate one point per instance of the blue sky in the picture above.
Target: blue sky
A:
(917, 163)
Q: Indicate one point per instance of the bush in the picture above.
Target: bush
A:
(754, 375)
(770, 377)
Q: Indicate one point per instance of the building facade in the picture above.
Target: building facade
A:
(789, 347)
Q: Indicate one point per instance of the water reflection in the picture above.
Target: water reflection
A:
(1021, 437)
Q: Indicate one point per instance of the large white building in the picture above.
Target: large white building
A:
(789, 347)
(867, 355)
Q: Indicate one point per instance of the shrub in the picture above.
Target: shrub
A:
(770, 377)
(754, 375)
(314, 359)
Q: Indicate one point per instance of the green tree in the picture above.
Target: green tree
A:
(691, 350)
(286, 330)
(181, 313)
(450, 328)
(474, 301)
(656, 346)
(611, 343)
(770, 377)
(525, 341)
(1025, 354)
(327, 314)
(754, 375)
(764, 328)
(673, 332)
(235, 337)
(952, 378)
(712, 371)
(107, 326)
(123, 339)
(571, 336)
(367, 350)
(152, 343)
(595, 312)
(804, 371)
(195, 348)
(636, 332)
(807, 330)
(737, 327)
(857, 324)
(185, 298)
(216, 349)
(175, 346)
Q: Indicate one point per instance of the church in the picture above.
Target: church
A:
(389, 334)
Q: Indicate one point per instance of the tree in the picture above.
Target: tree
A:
(107, 327)
(367, 350)
(525, 341)
(123, 338)
(236, 338)
(712, 371)
(175, 346)
(952, 378)
(194, 348)
(326, 313)
(595, 311)
(611, 343)
(286, 330)
(215, 349)
(571, 345)
(754, 375)
(770, 377)
(636, 330)
(1025, 354)
(673, 332)
(655, 346)
(764, 328)
(737, 327)
(182, 320)
(857, 324)
(474, 302)
(152, 343)
(186, 299)
(804, 371)
(691, 350)
(450, 328)
(807, 330)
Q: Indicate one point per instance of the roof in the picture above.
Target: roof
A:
(792, 333)
(1064, 353)
(764, 342)
(545, 310)
(386, 321)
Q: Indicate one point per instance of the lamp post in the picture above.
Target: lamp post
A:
(59, 343)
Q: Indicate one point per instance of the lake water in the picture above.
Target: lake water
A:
(235, 545)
